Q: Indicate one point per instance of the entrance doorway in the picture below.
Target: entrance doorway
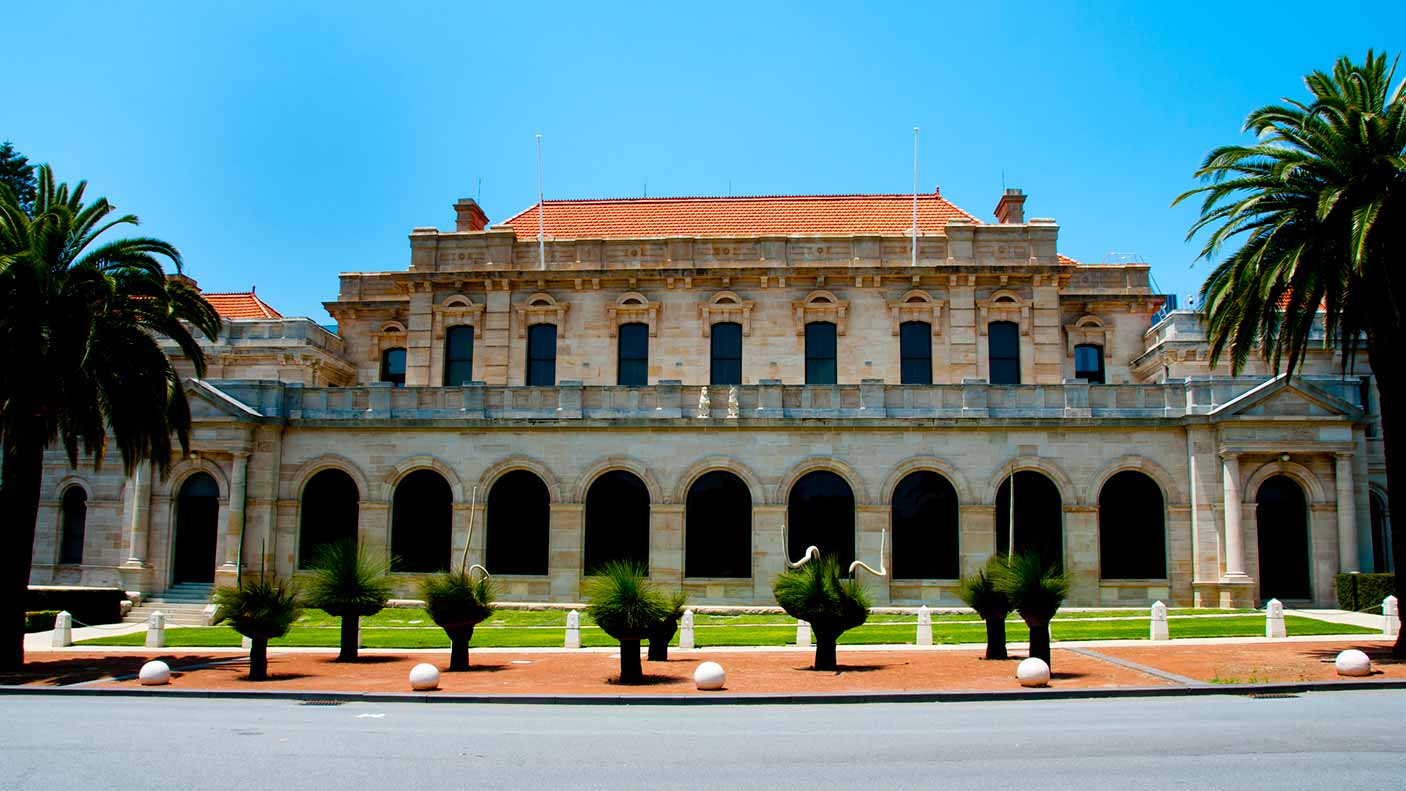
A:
(1281, 516)
(197, 514)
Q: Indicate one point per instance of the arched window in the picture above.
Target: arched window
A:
(726, 354)
(718, 527)
(393, 366)
(327, 514)
(1281, 519)
(1003, 341)
(633, 355)
(422, 515)
(458, 355)
(1039, 517)
(617, 520)
(1088, 363)
(820, 353)
(197, 514)
(925, 533)
(1132, 533)
(820, 513)
(915, 352)
(542, 355)
(519, 519)
(75, 523)
(1381, 535)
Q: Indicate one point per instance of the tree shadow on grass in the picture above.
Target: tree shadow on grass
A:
(39, 671)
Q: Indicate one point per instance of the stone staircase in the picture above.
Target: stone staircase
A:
(183, 605)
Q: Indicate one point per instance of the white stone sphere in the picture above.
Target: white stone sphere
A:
(1033, 672)
(709, 675)
(154, 673)
(424, 676)
(1353, 663)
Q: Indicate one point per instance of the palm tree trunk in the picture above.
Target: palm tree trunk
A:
(996, 637)
(351, 636)
(19, 502)
(1391, 391)
(1039, 639)
(258, 659)
(659, 641)
(630, 671)
(459, 648)
(825, 651)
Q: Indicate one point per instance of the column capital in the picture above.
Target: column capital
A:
(1343, 455)
(1229, 455)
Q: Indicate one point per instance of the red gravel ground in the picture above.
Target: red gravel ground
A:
(1257, 663)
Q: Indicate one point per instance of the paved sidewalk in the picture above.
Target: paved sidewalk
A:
(1367, 620)
(44, 641)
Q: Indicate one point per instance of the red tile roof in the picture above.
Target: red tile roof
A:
(241, 305)
(767, 215)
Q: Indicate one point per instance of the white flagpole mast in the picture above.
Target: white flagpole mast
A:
(1010, 547)
(541, 216)
(915, 197)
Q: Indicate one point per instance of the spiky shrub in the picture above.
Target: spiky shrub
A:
(980, 592)
(458, 602)
(1036, 592)
(626, 607)
(349, 584)
(664, 631)
(830, 603)
(262, 608)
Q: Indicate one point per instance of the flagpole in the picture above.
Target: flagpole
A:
(1010, 522)
(541, 216)
(914, 261)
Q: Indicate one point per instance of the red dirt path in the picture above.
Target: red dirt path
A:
(1257, 663)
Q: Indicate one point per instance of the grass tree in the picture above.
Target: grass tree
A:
(261, 608)
(981, 593)
(832, 604)
(457, 601)
(665, 630)
(348, 584)
(1036, 591)
(626, 607)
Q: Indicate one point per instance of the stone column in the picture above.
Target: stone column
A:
(978, 536)
(238, 484)
(1234, 535)
(666, 545)
(141, 515)
(768, 549)
(1081, 553)
(374, 529)
(567, 522)
(419, 330)
(459, 535)
(1347, 515)
(871, 528)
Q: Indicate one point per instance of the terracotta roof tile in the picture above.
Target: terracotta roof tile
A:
(241, 305)
(780, 215)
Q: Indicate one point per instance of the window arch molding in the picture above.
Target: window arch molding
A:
(541, 308)
(408, 465)
(719, 464)
(927, 464)
(916, 305)
(1068, 495)
(632, 307)
(725, 307)
(1171, 492)
(390, 335)
(294, 486)
(822, 306)
(69, 481)
(504, 466)
(782, 494)
(456, 309)
(634, 466)
(1004, 305)
(1091, 330)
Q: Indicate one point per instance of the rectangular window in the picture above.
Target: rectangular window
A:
(915, 352)
(727, 354)
(820, 353)
(393, 366)
(1088, 363)
(458, 356)
(542, 355)
(633, 348)
(1003, 346)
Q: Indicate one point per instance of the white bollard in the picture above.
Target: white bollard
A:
(924, 625)
(1391, 617)
(247, 643)
(686, 630)
(207, 615)
(802, 634)
(63, 630)
(573, 629)
(156, 630)
(1274, 619)
(1159, 622)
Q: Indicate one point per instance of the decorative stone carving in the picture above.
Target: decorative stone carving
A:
(1088, 329)
(726, 306)
(455, 311)
(821, 306)
(1004, 305)
(916, 305)
(733, 411)
(633, 308)
(541, 308)
(705, 404)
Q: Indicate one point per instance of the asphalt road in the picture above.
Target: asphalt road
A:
(1339, 740)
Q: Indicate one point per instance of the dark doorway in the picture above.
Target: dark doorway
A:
(519, 524)
(617, 520)
(1039, 517)
(820, 513)
(1281, 519)
(197, 515)
(1381, 535)
(1132, 534)
(422, 516)
(718, 527)
(75, 523)
(327, 514)
(924, 522)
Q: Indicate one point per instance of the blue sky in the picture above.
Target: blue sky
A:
(279, 144)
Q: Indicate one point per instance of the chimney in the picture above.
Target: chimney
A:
(1011, 209)
(468, 216)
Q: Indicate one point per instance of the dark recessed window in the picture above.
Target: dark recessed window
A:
(820, 513)
(1003, 340)
(1039, 517)
(1132, 536)
(820, 353)
(458, 356)
(328, 514)
(633, 348)
(393, 366)
(1088, 363)
(542, 355)
(915, 352)
(519, 511)
(422, 511)
(727, 354)
(75, 524)
(924, 521)
(718, 527)
(617, 520)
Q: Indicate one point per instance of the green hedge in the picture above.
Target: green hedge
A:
(41, 621)
(1358, 592)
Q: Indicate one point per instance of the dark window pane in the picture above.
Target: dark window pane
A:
(421, 516)
(924, 522)
(1132, 536)
(1003, 341)
(328, 514)
(393, 366)
(458, 356)
(820, 353)
(1088, 363)
(727, 354)
(633, 355)
(1039, 517)
(915, 352)
(617, 520)
(519, 510)
(542, 355)
(718, 527)
(820, 513)
(75, 524)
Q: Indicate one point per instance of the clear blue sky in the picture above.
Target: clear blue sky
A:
(279, 144)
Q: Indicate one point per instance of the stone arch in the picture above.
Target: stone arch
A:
(931, 464)
(457, 301)
(635, 466)
(1051, 470)
(293, 489)
(1317, 495)
(782, 493)
(421, 462)
(719, 463)
(71, 480)
(392, 327)
(176, 478)
(1171, 492)
(509, 464)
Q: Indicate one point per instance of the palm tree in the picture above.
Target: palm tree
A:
(261, 608)
(980, 592)
(458, 602)
(351, 585)
(79, 320)
(1036, 591)
(831, 604)
(627, 608)
(1318, 209)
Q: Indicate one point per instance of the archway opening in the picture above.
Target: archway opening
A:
(1281, 520)
(1039, 517)
(1132, 532)
(1381, 535)
(820, 513)
(197, 515)
(75, 524)
(617, 520)
(422, 517)
(327, 514)
(519, 524)
(718, 527)
(925, 535)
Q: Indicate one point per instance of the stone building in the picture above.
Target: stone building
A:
(710, 385)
